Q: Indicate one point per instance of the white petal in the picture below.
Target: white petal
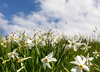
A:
(14, 50)
(85, 68)
(48, 65)
(96, 57)
(43, 59)
(69, 41)
(74, 69)
(9, 54)
(50, 55)
(44, 65)
(75, 48)
(79, 44)
(79, 60)
(16, 54)
(83, 48)
(52, 59)
(87, 56)
(21, 64)
(13, 56)
(84, 60)
(89, 46)
(91, 64)
(75, 62)
(82, 57)
(90, 59)
(79, 70)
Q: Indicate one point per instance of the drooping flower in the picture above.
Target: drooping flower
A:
(48, 59)
(80, 64)
(22, 59)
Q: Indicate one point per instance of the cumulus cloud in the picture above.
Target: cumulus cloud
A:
(80, 15)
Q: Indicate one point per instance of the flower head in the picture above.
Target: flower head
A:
(86, 47)
(48, 59)
(80, 64)
(96, 54)
(88, 60)
(13, 54)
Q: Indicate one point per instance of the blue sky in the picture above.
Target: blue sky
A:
(81, 16)
(11, 7)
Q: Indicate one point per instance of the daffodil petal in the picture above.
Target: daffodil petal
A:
(85, 68)
(48, 65)
(53, 59)
(74, 69)
(50, 55)
(75, 62)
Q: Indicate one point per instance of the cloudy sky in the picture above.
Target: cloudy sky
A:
(80, 15)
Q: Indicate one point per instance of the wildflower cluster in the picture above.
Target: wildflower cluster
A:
(21, 52)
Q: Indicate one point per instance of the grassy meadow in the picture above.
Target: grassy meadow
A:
(49, 52)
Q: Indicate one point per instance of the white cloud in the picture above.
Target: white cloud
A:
(3, 22)
(80, 15)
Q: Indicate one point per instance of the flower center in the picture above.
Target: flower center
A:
(24, 34)
(19, 61)
(68, 46)
(86, 47)
(88, 64)
(12, 37)
(45, 45)
(16, 39)
(2, 44)
(80, 66)
(46, 60)
(86, 60)
(96, 54)
(72, 43)
(53, 37)
(48, 33)
(28, 45)
(42, 38)
(11, 53)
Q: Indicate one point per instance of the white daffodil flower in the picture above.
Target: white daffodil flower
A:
(22, 59)
(86, 47)
(74, 44)
(48, 59)
(42, 43)
(55, 39)
(96, 54)
(13, 54)
(88, 60)
(80, 64)
(67, 46)
(79, 43)
(29, 44)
